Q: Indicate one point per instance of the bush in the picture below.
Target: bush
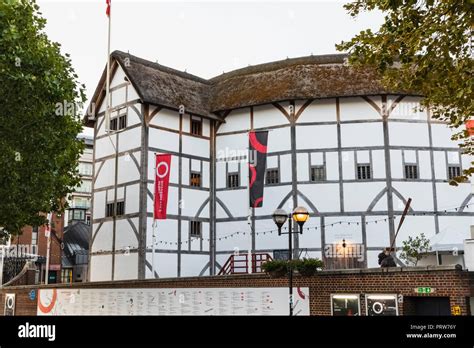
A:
(307, 267)
(276, 268)
(280, 268)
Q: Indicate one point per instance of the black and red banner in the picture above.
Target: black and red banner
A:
(162, 178)
(257, 164)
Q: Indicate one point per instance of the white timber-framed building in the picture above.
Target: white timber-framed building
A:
(339, 144)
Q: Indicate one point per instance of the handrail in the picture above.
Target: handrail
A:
(239, 264)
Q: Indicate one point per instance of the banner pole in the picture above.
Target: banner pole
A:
(250, 217)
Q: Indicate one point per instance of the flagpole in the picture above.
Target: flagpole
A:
(250, 217)
(153, 237)
(107, 88)
(48, 250)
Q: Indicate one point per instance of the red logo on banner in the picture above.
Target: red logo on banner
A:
(162, 179)
(470, 127)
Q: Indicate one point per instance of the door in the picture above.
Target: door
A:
(432, 306)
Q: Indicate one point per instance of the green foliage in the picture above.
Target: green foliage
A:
(38, 126)
(413, 248)
(308, 267)
(305, 267)
(276, 268)
(423, 47)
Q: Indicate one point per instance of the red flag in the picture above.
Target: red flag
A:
(107, 11)
(470, 127)
(162, 178)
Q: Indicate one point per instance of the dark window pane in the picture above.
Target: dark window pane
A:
(318, 173)
(196, 127)
(233, 180)
(363, 172)
(195, 179)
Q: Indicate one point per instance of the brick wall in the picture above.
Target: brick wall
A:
(448, 282)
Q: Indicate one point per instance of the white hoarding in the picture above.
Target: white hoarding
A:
(192, 301)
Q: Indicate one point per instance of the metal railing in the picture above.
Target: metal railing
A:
(239, 263)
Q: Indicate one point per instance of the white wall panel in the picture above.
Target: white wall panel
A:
(358, 196)
(102, 237)
(332, 166)
(378, 234)
(302, 173)
(196, 146)
(421, 194)
(361, 134)
(408, 134)
(129, 139)
(278, 139)
(100, 268)
(124, 236)
(133, 199)
(348, 169)
(357, 109)
(99, 205)
(237, 120)
(163, 140)
(285, 168)
(407, 108)
(337, 232)
(324, 196)
(104, 147)
(424, 166)
(126, 266)
(106, 174)
(396, 164)
(268, 115)
(167, 118)
(378, 164)
(321, 110)
(316, 137)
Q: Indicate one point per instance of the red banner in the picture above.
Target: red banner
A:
(162, 178)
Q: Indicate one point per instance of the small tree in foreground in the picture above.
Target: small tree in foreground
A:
(414, 248)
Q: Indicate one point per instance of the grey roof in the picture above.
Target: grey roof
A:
(311, 77)
(76, 242)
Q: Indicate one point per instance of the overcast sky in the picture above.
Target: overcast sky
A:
(203, 38)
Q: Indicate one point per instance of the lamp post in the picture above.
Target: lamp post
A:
(300, 215)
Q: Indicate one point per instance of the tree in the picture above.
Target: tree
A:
(425, 47)
(414, 248)
(38, 121)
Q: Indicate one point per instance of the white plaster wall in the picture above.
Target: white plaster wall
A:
(167, 118)
(105, 146)
(358, 109)
(285, 168)
(348, 169)
(236, 201)
(106, 175)
(195, 264)
(126, 266)
(124, 236)
(100, 268)
(237, 120)
(102, 237)
(321, 110)
(99, 205)
(407, 109)
(268, 115)
(361, 134)
(196, 146)
(133, 199)
(378, 164)
(127, 169)
(316, 137)
(325, 197)
(378, 234)
(166, 231)
(163, 140)
(166, 265)
(192, 201)
(129, 139)
(279, 139)
(358, 196)
(421, 194)
(408, 134)
(424, 166)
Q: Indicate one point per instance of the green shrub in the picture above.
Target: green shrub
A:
(276, 268)
(307, 267)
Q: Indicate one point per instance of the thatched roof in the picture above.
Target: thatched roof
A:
(310, 77)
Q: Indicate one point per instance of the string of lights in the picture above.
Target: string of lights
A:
(342, 222)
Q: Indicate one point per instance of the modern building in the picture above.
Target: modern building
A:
(80, 200)
(339, 143)
(75, 258)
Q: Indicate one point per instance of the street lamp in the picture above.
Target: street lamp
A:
(300, 215)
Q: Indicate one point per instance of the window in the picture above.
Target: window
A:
(85, 186)
(109, 209)
(34, 236)
(113, 124)
(318, 173)
(195, 179)
(81, 202)
(196, 126)
(363, 172)
(66, 275)
(233, 180)
(122, 121)
(272, 176)
(120, 207)
(454, 171)
(85, 168)
(195, 229)
(88, 219)
(411, 171)
(78, 214)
